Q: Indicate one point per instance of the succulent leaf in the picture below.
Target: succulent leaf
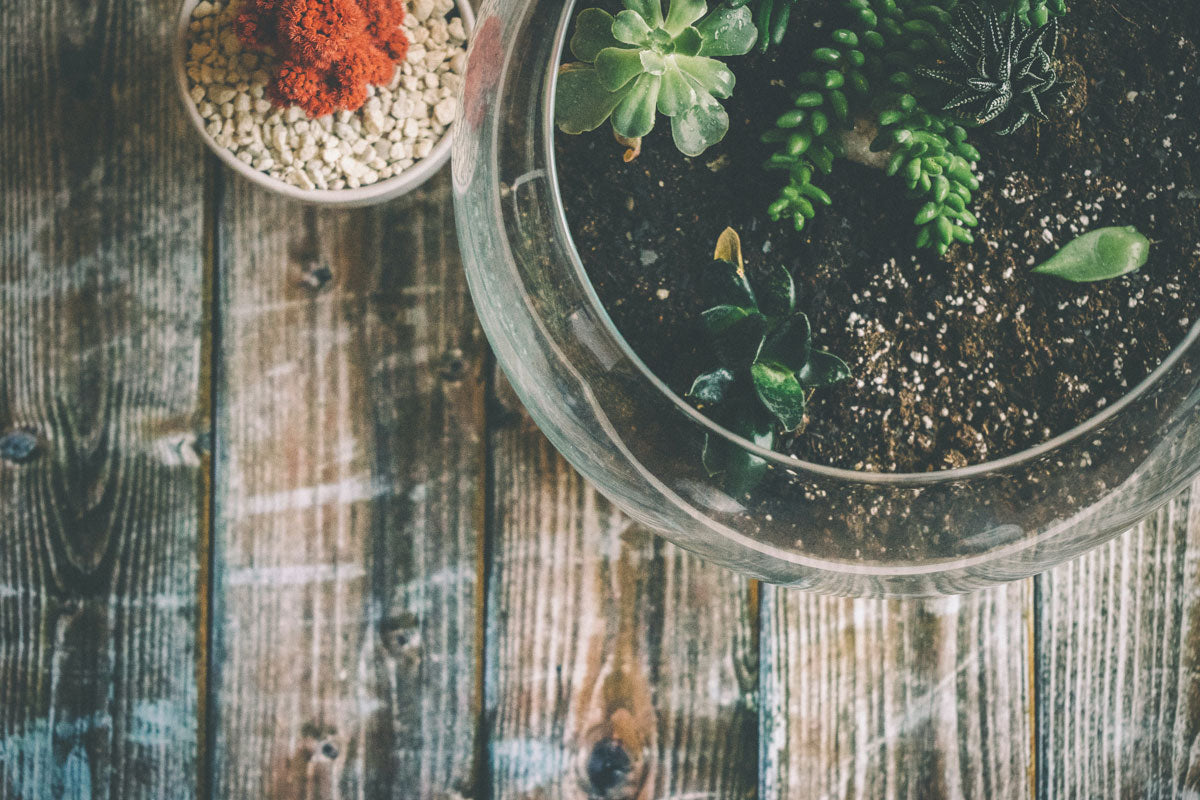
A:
(708, 74)
(683, 13)
(633, 117)
(712, 388)
(689, 42)
(723, 283)
(676, 94)
(790, 344)
(741, 469)
(776, 292)
(583, 102)
(701, 126)
(737, 334)
(628, 27)
(594, 31)
(727, 32)
(823, 369)
(649, 10)
(780, 392)
(1099, 255)
(617, 66)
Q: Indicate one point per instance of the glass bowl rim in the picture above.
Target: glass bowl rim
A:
(780, 460)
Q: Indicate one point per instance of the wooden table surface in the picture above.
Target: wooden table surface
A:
(268, 531)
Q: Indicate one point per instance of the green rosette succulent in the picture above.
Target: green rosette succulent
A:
(639, 62)
(765, 366)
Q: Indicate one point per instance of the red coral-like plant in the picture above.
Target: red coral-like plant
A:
(329, 50)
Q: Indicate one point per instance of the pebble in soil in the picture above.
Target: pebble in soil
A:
(958, 360)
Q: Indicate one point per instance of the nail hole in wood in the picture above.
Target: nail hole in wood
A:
(18, 447)
(329, 750)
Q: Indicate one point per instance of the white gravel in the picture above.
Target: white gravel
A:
(398, 125)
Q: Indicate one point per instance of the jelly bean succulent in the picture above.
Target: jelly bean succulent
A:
(639, 62)
(1003, 73)
(765, 366)
(865, 97)
(1031, 12)
(861, 99)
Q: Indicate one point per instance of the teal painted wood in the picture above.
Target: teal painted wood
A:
(350, 496)
(101, 328)
(1119, 665)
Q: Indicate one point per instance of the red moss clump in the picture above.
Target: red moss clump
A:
(329, 50)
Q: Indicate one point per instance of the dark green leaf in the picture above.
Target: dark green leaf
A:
(780, 392)
(711, 388)
(593, 33)
(581, 102)
(823, 369)
(737, 334)
(791, 344)
(722, 284)
(688, 42)
(776, 292)
(742, 470)
(1099, 255)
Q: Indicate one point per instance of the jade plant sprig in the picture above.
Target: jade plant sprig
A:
(863, 86)
(640, 62)
(765, 366)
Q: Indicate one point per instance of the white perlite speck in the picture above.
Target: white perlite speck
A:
(397, 126)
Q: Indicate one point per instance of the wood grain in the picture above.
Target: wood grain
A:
(101, 406)
(350, 457)
(1119, 665)
(618, 666)
(896, 699)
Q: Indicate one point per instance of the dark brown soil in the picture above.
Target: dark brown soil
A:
(957, 360)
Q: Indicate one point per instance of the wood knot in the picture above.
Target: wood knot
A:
(400, 633)
(608, 766)
(453, 365)
(18, 447)
(316, 276)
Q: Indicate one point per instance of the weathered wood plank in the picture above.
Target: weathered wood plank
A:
(618, 666)
(896, 699)
(350, 454)
(1119, 665)
(101, 405)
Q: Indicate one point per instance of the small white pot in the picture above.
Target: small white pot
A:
(386, 189)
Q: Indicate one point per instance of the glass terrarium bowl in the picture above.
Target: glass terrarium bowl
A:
(805, 525)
